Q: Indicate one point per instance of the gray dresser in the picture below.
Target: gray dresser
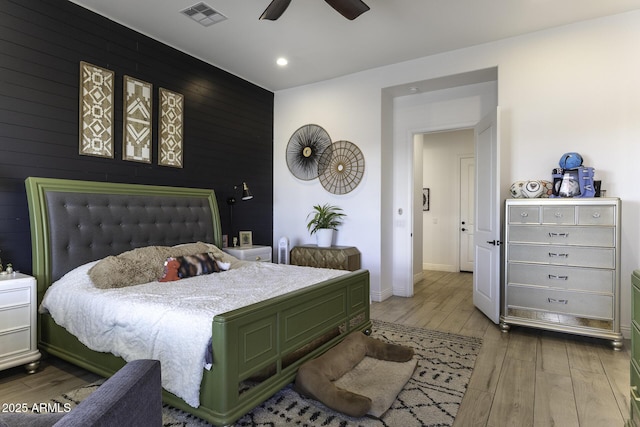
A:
(563, 266)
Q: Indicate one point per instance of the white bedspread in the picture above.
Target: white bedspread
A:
(170, 322)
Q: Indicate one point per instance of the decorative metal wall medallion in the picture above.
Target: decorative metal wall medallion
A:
(96, 111)
(304, 149)
(170, 138)
(136, 141)
(341, 167)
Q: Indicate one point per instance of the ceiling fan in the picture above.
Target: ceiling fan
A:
(350, 9)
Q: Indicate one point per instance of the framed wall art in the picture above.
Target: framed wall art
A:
(246, 238)
(425, 199)
(170, 128)
(96, 110)
(136, 133)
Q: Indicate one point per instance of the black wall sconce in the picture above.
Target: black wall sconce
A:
(246, 195)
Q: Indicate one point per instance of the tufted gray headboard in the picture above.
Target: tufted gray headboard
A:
(74, 222)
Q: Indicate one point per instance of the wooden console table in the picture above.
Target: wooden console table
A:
(336, 257)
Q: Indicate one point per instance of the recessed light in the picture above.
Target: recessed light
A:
(282, 62)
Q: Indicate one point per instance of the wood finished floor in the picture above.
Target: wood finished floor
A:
(523, 378)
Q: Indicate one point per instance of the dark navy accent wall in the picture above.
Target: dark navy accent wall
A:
(228, 122)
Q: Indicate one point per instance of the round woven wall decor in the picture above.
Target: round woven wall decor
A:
(341, 167)
(304, 149)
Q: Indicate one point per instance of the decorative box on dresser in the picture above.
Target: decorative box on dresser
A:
(250, 253)
(635, 350)
(18, 327)
(563, 266)
(336, 257)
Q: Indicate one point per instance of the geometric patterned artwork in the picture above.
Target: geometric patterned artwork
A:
(136, 135)
(96, 110)
(170, 132)
(341, 167)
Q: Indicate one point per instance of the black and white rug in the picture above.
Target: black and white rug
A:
(430, 398)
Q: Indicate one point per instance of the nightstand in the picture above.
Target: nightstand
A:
(336, 257)
(18, 325)
(250, 253)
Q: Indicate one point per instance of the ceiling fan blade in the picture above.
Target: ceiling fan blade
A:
(275, 9)
(350, 9)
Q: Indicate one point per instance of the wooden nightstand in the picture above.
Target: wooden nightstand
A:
(336, 257)
(250, 253)
(18, 324)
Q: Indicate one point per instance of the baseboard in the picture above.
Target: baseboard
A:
(625, 330)
(381, 296)
(417, 277)
(440, 267)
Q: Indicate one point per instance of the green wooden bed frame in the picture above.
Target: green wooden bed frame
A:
(245, 341)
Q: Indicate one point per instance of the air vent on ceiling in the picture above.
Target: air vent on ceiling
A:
(203, 14)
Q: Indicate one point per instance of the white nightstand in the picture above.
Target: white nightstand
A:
(18, 324)
(250, 253)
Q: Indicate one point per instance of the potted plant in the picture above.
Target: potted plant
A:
(324, 221)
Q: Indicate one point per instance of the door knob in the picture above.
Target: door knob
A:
(464, 229)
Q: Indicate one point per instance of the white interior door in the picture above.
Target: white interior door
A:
(486, 278)
(467, 215)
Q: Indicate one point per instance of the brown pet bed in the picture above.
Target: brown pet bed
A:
(359, 376)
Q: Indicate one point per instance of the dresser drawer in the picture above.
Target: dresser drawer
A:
(574, 235)
(15, 296)
(596, 215)
(575, 303)
(563, 255)
(524, 215)
(634, 421)
(635, 390)
(15, 317)
(15, 342)
(635, 346)
(559, 215)
(635, 297)
(561, 277)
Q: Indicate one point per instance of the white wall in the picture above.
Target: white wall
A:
(441, 154)
(573, 88)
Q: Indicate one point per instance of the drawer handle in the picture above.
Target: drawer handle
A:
(634, 393)
(558, 234)
(554, 277)
(258, 258)
(558, 215)
(551, 254)
(596, 214)
(557, 301)
(524, 214)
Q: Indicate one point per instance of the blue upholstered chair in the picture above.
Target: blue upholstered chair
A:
(131, 397)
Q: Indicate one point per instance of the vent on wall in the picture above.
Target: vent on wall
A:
(203, 14)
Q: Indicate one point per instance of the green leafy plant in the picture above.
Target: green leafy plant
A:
(325, 216)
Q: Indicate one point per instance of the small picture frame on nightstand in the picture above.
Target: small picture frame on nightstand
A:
(246, 238)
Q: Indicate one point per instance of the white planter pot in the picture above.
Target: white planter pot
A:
(324, 237)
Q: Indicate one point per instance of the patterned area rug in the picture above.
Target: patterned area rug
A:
(430, 398)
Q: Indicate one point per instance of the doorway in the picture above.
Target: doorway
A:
(447, 221)
(438, 104)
